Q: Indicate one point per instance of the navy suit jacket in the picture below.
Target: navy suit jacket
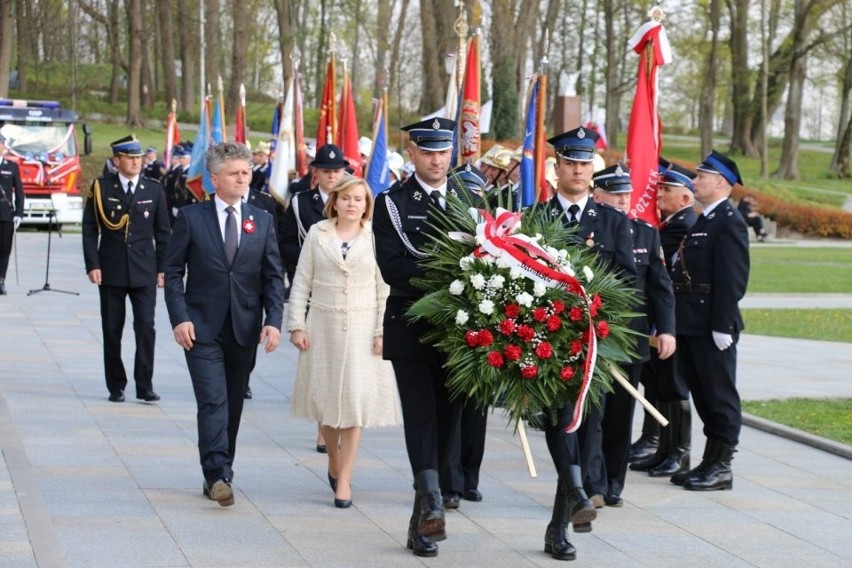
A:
(249, 287)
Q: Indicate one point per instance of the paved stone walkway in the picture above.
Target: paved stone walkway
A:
(87, 483)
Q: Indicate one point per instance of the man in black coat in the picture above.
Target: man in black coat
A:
(125, 215)
(152, 168)
(613, 187)
(710, 275)
(675, 203)
(606, 231)
(401, 224)
(232, 301)
(11, 209)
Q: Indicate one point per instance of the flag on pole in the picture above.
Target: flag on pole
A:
(299, 130)
(644, 132)
(540, 136)
(240, 122)
(451, 103)
(285, 150)
(529, 193)
(195, 175)
(468, 125)
(347, 133)
(217, 135)
(378, 170)
(172, 136)
(327, 128)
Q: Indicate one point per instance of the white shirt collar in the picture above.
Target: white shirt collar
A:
(124, 181)
(563, 201)
(429, 189)
(713, 206)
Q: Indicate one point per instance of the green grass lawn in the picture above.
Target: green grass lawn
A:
(829, 418)
(780, 269)
(824, 325)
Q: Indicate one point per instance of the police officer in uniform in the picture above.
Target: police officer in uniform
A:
(178, 164)
(153, 168)
(182, 193)
(11, 209)
(674, 201)
(401, 223)
(613, 187)
(607, 232)
(710, 275)
(259, 166)
(125, 215)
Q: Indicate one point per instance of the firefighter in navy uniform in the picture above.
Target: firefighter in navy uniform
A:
(674, 201)
(125, 215)
(710, 275)
(613, 187)
(259, 166)
(153, 168)
(178, 159)
(401, 223)
(11, 209)
(605, 231)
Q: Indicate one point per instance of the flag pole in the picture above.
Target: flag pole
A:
(540, 131)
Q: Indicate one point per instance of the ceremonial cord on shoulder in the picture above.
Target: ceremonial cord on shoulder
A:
(124, 220)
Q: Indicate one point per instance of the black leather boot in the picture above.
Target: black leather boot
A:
(419, 543)
(659, 456)
(710, 450)
(556, 541)
(579, 505)
(717, 474)
(647, 443)
(431, 521)
(680, 442)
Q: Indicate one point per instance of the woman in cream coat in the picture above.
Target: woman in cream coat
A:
(342, 381)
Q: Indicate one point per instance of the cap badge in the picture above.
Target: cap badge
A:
(332, 155)
(581, 133)
(618, 171)
(467, 167)
(436, 125)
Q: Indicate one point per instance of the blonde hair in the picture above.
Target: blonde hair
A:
(348, 182)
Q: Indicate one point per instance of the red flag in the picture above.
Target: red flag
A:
(240, 122)
(644, 140)
(299, 127)
(540, 136)
(347, 135)
(327, 128)
(469, 116)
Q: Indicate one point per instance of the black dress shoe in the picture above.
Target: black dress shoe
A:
(247, 396)
(321, 449)
(452, 500)
(220, 491)
(116, 396)
(472, 495)
(614, 501)
(148, 396)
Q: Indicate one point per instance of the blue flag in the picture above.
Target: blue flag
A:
(528, 190)
(378, 172)
(196, 173)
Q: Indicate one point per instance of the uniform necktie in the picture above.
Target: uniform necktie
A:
(573, 213)
(436, 198)
(130, 189)
(230, 235)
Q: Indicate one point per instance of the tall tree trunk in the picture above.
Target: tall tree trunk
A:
(740, 91)
(134, 76)
(396, 48)
(285, 16)
(788, 165)
(187, 61)
(214, 55)
(115, 49)
(146, 76)
(321, 56)
(5, 45)
(708, 88)
(383, 20)
(23, 51)
(841, 157)
(433, 50)
(167, 50)
(612, 100)
(504, 113)
(238, 59)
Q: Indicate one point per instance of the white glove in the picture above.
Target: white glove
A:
(174, 211)
(17, 222)
(722, 340)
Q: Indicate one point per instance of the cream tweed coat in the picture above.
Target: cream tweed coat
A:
(339, 381)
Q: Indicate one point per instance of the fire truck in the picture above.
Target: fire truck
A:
(41, 137)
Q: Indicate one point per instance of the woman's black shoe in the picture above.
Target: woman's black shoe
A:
(342, 503)
(332, 482)
(321, 449)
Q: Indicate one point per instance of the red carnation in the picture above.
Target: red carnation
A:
(512, 310)
(554, 323)
(539, 314)
(575, 313)
(484, 338)
(512, 352)
(544, 350)
(596, 301)
(576, 347)
(566, 374)
(557, 306)
(495, 359)
(525, 332)
(602, 328)
(529, 372)
(593, 310)
(472, 338)
(506, 327)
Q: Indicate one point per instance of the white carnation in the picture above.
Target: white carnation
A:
(462, 317)
(477, 281)
(563, 254)
(486, 307)
(456, 287)
(465, 262)
(501, 262)
(496, 282)
(515, 273)
(552, 252)
(587, 272)
(539, 289)
(525, 299)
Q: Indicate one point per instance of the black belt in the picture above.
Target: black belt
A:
(685, 288)
(397, 293)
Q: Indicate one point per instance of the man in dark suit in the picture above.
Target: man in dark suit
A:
(125, 215)
(605, 231)
(11, 209)
(227, 250)
(401, 224)
(674, 201)
(710, 274)
(613, 187)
